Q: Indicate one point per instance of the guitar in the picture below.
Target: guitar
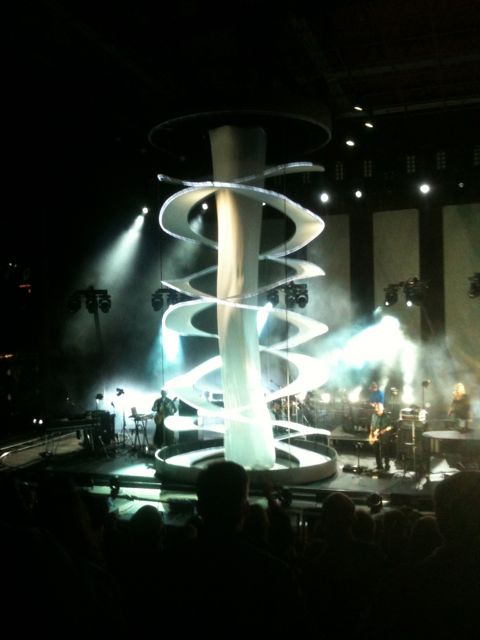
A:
(158, 417)
(375, 435)
(167, 408)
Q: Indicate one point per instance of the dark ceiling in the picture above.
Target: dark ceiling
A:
(126, 66)
(87, 81)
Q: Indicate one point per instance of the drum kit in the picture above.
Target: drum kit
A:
(320, 409)
(357, 417)
(287, 409)
(323, 410)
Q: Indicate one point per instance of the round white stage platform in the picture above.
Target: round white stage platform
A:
(303, 454)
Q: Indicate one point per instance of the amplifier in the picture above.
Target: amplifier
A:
(413, 413)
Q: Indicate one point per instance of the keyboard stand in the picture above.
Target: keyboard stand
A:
(140, 439)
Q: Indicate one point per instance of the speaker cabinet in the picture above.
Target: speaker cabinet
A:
(409, 439)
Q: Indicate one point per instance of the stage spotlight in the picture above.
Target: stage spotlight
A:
(157, 300)
(391, 295)
(94, 299)
(91, 303)
(301, 295)
(272, 297)
(289, 297)
(74, 303)
(414, 289)
(172, 298)
(474, 290)
(105, 303)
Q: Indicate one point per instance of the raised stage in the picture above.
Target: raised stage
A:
(133, 470)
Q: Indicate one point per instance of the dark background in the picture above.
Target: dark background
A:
(85, 83)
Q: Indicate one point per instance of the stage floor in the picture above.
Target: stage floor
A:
(133, 470)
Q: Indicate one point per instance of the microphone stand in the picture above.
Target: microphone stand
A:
(414, 449)
(425, 384)
(124, 430)
(121, 392)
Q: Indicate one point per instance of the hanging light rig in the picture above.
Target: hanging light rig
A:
(294, 294)
(413, 289)
(165, 297)
(95, 299)
(391, 294)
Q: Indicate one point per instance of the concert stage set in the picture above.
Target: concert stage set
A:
(123, 464)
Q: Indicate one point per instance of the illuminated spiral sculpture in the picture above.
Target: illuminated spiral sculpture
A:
(238, 153)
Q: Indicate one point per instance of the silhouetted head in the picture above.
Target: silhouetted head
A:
(222, 491)
(457, 508)
(146, 525)
(338, 513)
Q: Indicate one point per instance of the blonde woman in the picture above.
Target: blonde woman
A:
(460, 408)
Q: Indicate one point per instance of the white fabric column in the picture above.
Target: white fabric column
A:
(239, 152)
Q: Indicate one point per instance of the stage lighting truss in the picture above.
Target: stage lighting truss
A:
(413, 289)
(474, 290)
(301, 295)
(165, 297)
(290, 297)
(74, 303)
(104, 302)
(391, 294)
(273, 297)
(91, 303)
(95, 299)
(157, 299)
(293, 294)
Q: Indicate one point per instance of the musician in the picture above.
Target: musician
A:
(377, 395)
(277, 410)
(163, 407)
(460, 408)
(381, 431)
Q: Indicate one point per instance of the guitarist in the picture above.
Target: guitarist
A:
(381, 431)
(163, 407)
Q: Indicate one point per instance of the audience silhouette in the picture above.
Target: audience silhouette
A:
(223, 580)
(241, 568)
(444, 587)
